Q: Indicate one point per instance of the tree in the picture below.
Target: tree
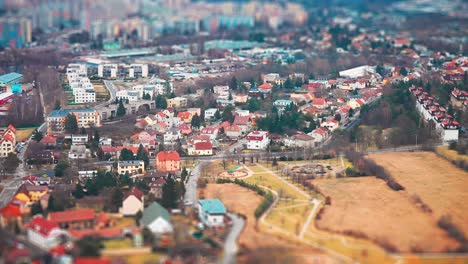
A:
(57, 105)
(253, 105)
(380, 69)
(71, 124)
(37, 135)
(142, 154)
(288, 84)
(217, 115)
(79, 192)
(169, 194)
(51, 204)
(161, 102)
(11, 162)
(116, 199)
(227, 114)
(337, 117)
(36, 209)
(184, 174)
(403, 71)
(96, 137)
(89, 246)
(167, 88)
(121, 109)
(233, 84)
(60, 168)
(126, 154)
(230, 97)
(83, 131)
(138, 216)
(196, 121)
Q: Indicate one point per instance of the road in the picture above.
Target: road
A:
(110, 87)
(230, 245)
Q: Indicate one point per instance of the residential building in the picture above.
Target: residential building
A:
(258, 140)
(211, 212)
(131, 167)
(7, 141)
(168, 161)
(243, 122)
(78, 152)
(31, 193)
(157, 219)
(133, 202)
(73, 219)
(210, 113)
(177, 102)
(200, 149)
(44, 233)
(15, 31)
(320, 103)
(211, 132)
(331, 124)
(84, 117)
(108, 70)
(78, 139)
(162, 86)
(233, 132)
(300, 140)
(271, 78)
(281, 104)
(10, 78)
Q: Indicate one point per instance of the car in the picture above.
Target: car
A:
(187, 202)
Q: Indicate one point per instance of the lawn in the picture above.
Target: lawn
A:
(395, 220)
(124, 222)
(22, 134)
(451, 155)
(261, 177)
(118, 244)
(144, 258)
(289, 215)
(438, 183)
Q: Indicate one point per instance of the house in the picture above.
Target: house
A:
(131, 167)
(355, 103)
(172, 135)
(156, 184)
(243, 122)
(35, 180)
(157, 219)
(211, 212)
(281, 104)
(331, 124)
(222, 91)
(210, 113)
(177, 102)
(240, 98)
(79, 139)
(271, 78)
(233, 131)
(258, 140)
(185, 129)
(73, 219)
(133, 202)
(49, 141)
(31, 193)
(319, 134)
(265, 88)
(85, 118)
(7, 141)
(168, 161)
(200, 149)
(78, 152)
(44, 233)
(320, 103)
(212, 132)
(186, 117)
(41, 157)
(300, 140)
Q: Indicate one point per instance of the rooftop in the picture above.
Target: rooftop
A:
(9, 77)
(212, 206)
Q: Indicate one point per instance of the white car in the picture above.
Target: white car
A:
(187, 202)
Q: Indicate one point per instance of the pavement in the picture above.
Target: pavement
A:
(230, 245)
(110, 87)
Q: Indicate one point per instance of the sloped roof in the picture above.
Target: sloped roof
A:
(153, 212)
(212, 206)
(203, 146)
(41, 225)
(72, 215)
(168, 155)
(135, 192)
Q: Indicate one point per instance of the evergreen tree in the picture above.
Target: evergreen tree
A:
(167, 88)
(57, 105)
(83, 131)
(196, 121)
(121, 109)
(161, 146)
(79, 192)
(36, 209)
(227, 114)
(253, 105)
(37, 135)
(89, 246)
(71, 124)
(142, 154)
(169, 194)
(126, 154)
(230, 96)
(184, 174)
(51, 204)
(217, 115)
(403, 71)
(161, 102)
(234, 84)
(96, 137)
(91, 187)
(60, 168)
(288, 84)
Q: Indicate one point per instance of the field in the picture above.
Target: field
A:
(451, 155)
(23, 134)
(368, 206)
(241, 200)
(439, 184)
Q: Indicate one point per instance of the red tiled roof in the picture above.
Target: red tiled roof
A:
(203, 146)
(265, 86)
(8, 137)
(103, 233)
(135, 192)
(12, 128)
(49, 140)
(10, 211)
(318, 101)
(72, 215)
(241, 120)
(91, 260)
(168, 155)
(42, 225)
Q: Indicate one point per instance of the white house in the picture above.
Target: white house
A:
(157, 219)
(78, 139)
(331, 124)
(210, 113)
(211, 212)
(300, 140)
(258, 140)
(133, 202)
(44, 233)
(200, 149)
(78, 152)
(131, 167)
(211, 132)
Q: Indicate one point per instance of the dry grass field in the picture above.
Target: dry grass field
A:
(244, 201)
(438, 183)
(368, 206)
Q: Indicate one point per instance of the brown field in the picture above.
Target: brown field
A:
(368, 206)
(439, 184)
(244, 201)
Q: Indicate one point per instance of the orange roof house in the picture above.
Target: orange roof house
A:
(168, 161)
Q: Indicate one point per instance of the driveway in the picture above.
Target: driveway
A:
(230, 245)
